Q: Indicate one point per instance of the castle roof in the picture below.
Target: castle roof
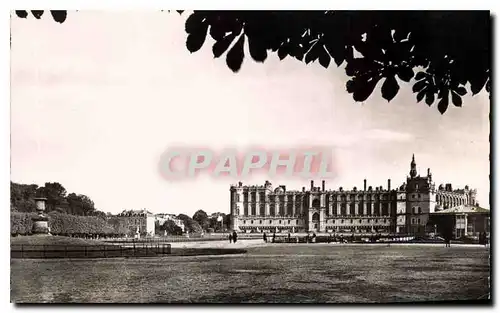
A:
(135, 213)
(461, 209)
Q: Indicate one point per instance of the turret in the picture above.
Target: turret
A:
(413, 167)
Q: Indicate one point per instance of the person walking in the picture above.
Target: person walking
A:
(265, 237)
(230, 238)
(289, 236)
(235, 236)
(274, 237)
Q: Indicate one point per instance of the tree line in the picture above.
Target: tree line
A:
(22, 199)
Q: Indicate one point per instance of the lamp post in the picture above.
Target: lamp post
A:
(41, 221)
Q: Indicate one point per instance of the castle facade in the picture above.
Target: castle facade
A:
(405, 209)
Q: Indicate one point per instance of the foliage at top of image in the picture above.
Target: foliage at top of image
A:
(451, 49)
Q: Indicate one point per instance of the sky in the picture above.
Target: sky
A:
(96, 100)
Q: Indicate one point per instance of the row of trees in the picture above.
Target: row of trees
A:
(200, 222)
(22, 199)
(168, 227)
(216, 221)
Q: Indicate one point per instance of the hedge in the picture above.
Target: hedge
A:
(68, 225)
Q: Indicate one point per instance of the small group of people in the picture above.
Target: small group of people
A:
(264, 237)
(310, 238)
(233, 237)
(483, 239)
(273, 239)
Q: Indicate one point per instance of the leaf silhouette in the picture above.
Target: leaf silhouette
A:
(443, 103)
(456, 99)
(420, 96)
(194, 23)
(324, 58)
(461, 91)
(405, 74)
(419, 86)
(312, 55)
(257, 49)
(58, 16)
(195, 41)
(361, 88)
(197, 35)
(337, 51)
(477, 85)
(420, 75)
(22, 13)
(37, 14)
(390, 88)
(234, 57)
(282, 52)
(221, 46)
(429, 97)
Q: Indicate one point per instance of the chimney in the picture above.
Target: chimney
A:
(389, 184)
(323, 185)
(312, 185)
(364, 184)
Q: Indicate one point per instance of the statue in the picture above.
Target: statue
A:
(41, 221)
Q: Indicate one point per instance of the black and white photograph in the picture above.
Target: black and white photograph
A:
(251, 156)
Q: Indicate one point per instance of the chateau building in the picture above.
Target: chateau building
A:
(404, 210)
(141, 220)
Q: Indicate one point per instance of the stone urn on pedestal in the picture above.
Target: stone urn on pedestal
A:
(41, 221)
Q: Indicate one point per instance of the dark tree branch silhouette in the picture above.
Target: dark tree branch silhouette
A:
(449, 50)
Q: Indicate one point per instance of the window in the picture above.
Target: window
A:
(341, 221)
(360, 221)
(280, 221)
(251, 222)
(289, 221)
(244, 222)
(413, 196)
(418, 221)
(270, 222)
(297, 221)
(260, 222)
(376, 221)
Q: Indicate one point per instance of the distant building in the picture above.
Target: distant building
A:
(404, 210)
(461, 221)
(161, 218)
(142, 219)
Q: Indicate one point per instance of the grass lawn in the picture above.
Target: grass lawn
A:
(269, 274)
